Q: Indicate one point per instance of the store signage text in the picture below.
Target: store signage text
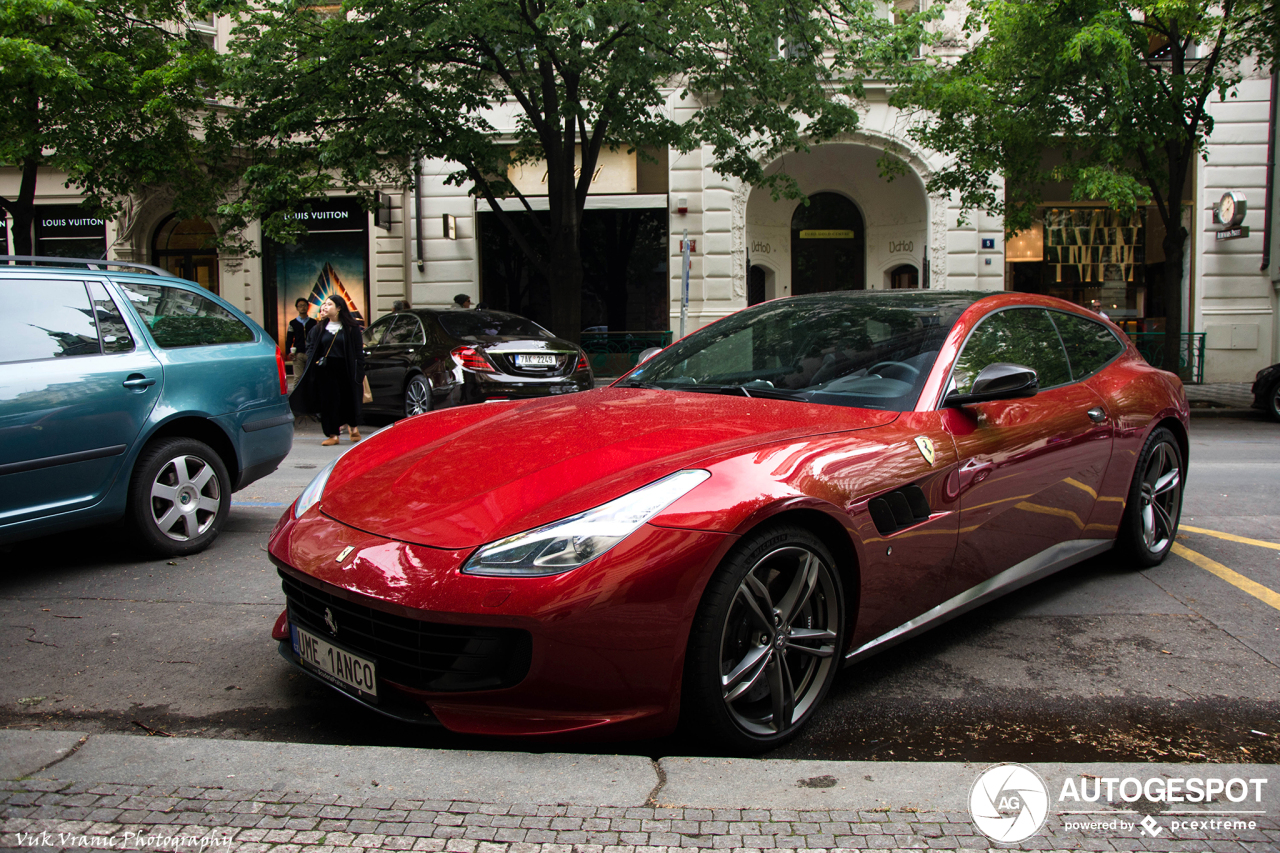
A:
(898, 246)
(760, 247)
(70, 223)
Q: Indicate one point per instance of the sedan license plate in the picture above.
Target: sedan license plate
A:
(338, 666)
(547, 360)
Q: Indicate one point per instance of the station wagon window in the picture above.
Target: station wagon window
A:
(47, 319)
(111, 327)
(178, 317)
(405, 330)
(1023, 336)
(1090, 345)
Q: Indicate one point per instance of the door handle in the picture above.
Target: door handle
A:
(137, 381)
(1097, 415)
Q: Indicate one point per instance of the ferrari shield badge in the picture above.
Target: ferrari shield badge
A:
(926, 448)
(347, 550)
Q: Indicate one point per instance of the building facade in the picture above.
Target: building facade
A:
(858, 231)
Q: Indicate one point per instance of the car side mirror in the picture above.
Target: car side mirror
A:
(648, 354)
(1000, 381)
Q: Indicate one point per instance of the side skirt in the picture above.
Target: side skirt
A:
(1030, 570)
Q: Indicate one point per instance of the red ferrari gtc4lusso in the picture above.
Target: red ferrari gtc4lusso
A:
(710, 538)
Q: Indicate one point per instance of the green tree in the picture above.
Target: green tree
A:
(110, 92)
(351, 96)
(1120, 88)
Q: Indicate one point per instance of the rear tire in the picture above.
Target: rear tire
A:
(765, 644)
(417, 396)
(179, 496)
(1271, 401)
(1154, 505)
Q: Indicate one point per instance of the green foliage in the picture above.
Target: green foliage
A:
(1118, 87)
(350, 98)
(111, 92)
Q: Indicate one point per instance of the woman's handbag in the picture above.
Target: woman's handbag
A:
(368, 392)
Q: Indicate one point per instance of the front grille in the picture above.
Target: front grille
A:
(506, 362)
(423, 655)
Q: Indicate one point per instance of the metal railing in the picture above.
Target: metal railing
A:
(1190, 353)
(614, 353)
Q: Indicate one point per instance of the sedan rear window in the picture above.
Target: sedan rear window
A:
(178, 317)
(491, 324)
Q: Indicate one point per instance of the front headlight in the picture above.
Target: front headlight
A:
(579, 539)
(311, 494)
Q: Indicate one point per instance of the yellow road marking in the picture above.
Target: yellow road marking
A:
(1230, 537)
(1231, 576)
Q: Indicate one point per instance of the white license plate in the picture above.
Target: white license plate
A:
(336, 665)
(536, 360)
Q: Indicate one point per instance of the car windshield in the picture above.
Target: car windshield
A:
(493, 324)
(870, 350)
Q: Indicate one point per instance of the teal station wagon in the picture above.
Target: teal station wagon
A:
(128, 393)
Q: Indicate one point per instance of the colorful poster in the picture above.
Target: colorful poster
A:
(332, 260)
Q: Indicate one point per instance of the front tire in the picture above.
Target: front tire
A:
(1154, 506)
(764, 648)
(417, 396)
(179, 497)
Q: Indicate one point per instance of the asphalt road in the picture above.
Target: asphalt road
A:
(1101, 662)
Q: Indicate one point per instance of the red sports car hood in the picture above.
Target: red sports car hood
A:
(461, 477)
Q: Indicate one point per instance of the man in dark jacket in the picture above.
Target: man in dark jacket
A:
(295, 340)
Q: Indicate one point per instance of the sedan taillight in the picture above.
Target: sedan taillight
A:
(284, 383)
(469, 358)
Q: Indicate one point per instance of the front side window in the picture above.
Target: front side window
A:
(1090, 346)
(47, 319)
(182, 318)
(1023, 336)
(869, 350)
(373, 334)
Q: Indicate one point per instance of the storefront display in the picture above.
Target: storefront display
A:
(66, 231)
(332, 260)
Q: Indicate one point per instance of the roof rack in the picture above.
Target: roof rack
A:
(90, 263)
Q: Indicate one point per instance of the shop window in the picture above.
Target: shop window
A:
(1094, 257)
(185, 247)
(66, 231)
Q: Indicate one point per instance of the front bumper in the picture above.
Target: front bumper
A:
(605, 645)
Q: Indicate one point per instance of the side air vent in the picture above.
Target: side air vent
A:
(898, 509)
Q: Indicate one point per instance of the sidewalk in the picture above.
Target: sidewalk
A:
(67, 790)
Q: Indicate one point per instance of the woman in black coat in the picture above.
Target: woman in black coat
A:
(333, 382)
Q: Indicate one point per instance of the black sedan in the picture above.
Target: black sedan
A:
(422, 359)
(1266, 391)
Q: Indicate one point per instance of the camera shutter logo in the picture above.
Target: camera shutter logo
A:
(1009, 802)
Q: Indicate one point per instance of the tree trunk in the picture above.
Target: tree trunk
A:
(566, 281)
(1175, 240)
(23, 210)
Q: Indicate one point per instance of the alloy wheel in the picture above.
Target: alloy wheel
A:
(185, 498)
(778, 643)
(417, 397)
(1161, 496)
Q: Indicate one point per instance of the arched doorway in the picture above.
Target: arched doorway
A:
(828, 246)
(903, 277)
(184, 247)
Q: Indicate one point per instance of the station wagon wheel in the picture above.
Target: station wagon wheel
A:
(417, 396)
(765, 645)
(179, 496)
(1155, 500)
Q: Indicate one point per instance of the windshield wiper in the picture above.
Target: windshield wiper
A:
(742, 390)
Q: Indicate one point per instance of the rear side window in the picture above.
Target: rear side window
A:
(111, 326)
(47, 319)
(405, 330)
(1023, 336)
(178, 317)
(1090, 346)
